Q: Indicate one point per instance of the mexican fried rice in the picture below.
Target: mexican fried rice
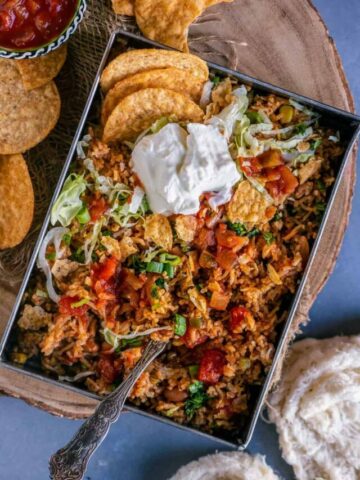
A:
(214, 284)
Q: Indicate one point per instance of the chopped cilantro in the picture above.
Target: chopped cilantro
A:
(197, 398)
(216, 80)
(241, 230)
(67, 238)
(320, 185)
(180, 325)
(253, 233)
(51, 256)
(300, 129)
(269, 238)
(154, 291)
(160, 282)
(135, 263)
(106, 233)
(320, 207)
(278, 216)
(78, 256)
(238, 228)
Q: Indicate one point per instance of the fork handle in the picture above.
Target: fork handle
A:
(70, 462)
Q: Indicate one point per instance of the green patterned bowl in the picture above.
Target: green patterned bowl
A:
(55, 43)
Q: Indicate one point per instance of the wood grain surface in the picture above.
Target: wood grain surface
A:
(284, 42)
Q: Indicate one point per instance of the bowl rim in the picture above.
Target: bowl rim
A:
(54, 43)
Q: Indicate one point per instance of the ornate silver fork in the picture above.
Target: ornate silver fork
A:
(70, 462)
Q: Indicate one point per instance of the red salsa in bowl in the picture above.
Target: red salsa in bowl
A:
(28, 24)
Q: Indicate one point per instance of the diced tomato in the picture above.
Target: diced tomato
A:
(271, 174)
(43, 22)
(290, 182)
(219, 300)
(66, 308)
(226, 258)
(205, 238)
(106, 369)
(56, 6)
(97, 208)
(193, 337)
(211, 366)
(33, 6)
(104, 270)
(270, 159)
(285, 184)
(237, 317)
(250, 166)
(228, 239)
(7, 20)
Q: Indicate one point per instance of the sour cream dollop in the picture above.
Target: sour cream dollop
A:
(176, 167)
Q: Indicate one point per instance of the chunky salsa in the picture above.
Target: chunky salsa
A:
(32, 23)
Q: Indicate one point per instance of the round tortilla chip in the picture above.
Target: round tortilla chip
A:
(171, 78)
(16, 200)
(26, 117)
(168, 21)
(135, 61)
(38, 71)
(138, 111)
(123, 7)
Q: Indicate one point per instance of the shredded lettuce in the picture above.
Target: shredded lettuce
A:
(54, 236)
(69, 204)
(291, 142)
(76, 378)
(136, 200)
(226, 120)
(105, 185)
(114, 339)
(206, 94)
(84, 143)
(123, 212)
(302, 108)
(247, 144)
(91, 242)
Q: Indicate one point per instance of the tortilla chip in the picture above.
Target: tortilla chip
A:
(168, 21)
(171, 78)
(38, 71)
(123, 7)
(138, 111)
(26, 117)
(248, 205)
(135, 61)
(16, 200)
(185, 227)
(158, 230)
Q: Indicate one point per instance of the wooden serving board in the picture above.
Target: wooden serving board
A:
(286, 43)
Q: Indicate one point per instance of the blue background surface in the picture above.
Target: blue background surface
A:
(138, 448)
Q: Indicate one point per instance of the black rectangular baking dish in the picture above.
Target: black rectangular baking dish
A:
(349, 127)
